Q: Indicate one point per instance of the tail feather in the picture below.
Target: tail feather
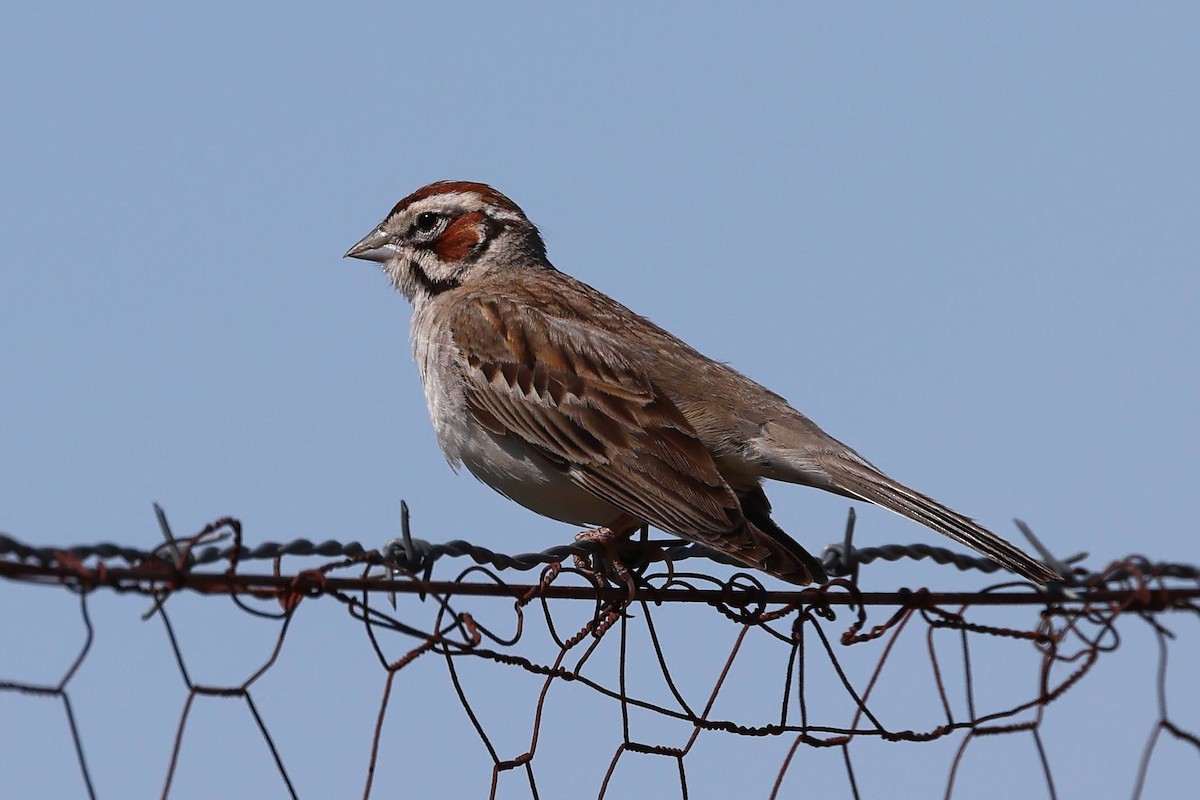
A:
(863, 481)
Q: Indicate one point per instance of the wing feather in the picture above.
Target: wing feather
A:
(574, 395)
(577, 396)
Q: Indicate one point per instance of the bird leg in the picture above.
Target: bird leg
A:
(609, 564)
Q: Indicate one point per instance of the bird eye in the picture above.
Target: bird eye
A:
(427, 221)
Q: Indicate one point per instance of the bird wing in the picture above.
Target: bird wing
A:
(575, 396)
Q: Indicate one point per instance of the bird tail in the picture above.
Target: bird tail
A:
(861, 480)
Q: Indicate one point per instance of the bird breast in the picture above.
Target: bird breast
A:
(502, 461)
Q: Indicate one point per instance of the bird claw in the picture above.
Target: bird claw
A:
(606, 567)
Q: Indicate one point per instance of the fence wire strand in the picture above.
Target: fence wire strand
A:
(475, 618)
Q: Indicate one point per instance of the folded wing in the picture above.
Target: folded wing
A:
(577, 397)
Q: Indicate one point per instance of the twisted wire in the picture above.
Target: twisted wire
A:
(419, 555)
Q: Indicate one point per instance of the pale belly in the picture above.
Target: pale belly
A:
(527, 478)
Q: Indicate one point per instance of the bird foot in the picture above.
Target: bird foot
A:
(608, 566)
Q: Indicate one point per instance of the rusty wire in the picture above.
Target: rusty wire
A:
(810, 631)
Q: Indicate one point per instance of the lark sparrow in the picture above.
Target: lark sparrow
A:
(567, 402)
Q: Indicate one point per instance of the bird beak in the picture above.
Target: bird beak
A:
(373, 247)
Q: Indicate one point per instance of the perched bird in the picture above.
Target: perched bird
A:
(567, 402)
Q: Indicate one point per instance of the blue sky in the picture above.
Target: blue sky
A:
(963, 239)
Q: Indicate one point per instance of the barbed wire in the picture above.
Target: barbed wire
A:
(416, 555)
(530, 634)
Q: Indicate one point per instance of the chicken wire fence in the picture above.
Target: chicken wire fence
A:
(448, 678)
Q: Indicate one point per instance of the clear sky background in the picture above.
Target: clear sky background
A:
(964, 239)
